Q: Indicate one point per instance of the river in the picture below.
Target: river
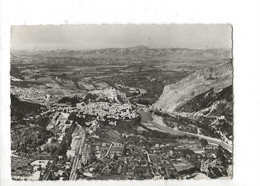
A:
(148, 121)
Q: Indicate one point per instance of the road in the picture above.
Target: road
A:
(148, 157)
(77, 158)
(147, 119)
(101, 157)
(149, 160)
(107, 151)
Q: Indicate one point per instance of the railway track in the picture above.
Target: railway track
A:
(54, 158)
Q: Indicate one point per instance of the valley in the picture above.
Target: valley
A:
(122, 113)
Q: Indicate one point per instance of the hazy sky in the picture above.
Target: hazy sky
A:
(108, 36)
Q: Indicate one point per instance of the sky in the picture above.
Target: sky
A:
(84, 37)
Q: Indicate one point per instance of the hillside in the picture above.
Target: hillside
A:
(21, 109)
(204, 99)
(175, 96)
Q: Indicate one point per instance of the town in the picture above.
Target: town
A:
(102, 138)
(101, 115)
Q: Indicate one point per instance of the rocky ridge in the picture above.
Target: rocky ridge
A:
(214, 78)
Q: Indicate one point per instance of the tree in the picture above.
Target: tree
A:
(204, 142)
(115, 156)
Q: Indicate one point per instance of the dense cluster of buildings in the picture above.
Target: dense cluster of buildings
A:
(110, 94)
(108, 110)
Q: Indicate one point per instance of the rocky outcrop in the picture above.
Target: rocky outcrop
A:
(210, 80)
(204, 99)
(108, 94)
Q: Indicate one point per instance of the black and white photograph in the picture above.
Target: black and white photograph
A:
(121, 102)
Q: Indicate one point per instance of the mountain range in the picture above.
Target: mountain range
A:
(138, 51)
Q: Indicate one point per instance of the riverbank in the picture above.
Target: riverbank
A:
(148, 121)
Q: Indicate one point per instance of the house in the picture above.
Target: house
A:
(67, 165)
(88, 174)
(60, 138)
(115, 144)
(39, 164)
(70, 153)
(197, 150)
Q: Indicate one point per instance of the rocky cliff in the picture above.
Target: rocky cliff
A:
(212, 79)
(203, 99)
